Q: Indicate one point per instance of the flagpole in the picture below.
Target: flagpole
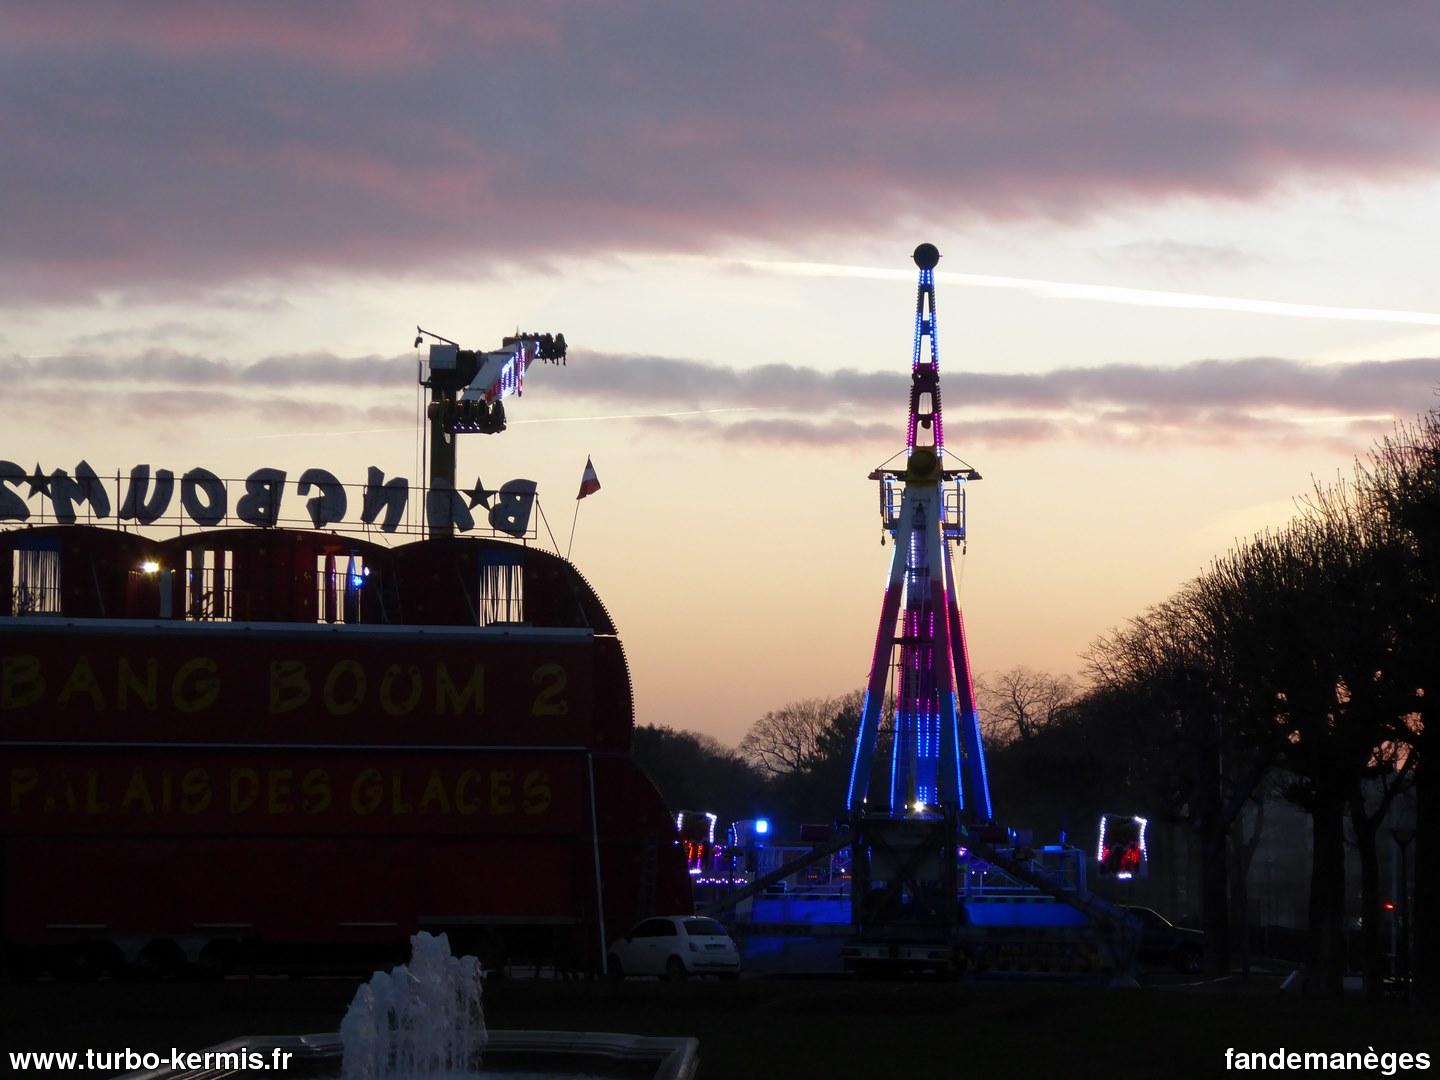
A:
(589, 484)
(574, 519)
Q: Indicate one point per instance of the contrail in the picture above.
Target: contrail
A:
(1107, 294)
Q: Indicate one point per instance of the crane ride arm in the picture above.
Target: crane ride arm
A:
(467, 386)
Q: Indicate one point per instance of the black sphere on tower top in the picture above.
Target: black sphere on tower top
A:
(926, 256)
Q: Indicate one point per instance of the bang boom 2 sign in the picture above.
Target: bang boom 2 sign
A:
(205, 499)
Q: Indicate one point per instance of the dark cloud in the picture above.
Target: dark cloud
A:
(783, 431)
(1208, 400)
(1401, 386)
(321, 371)
(1255, 383)
(153, 334)
(168, 409)
(182, 145)
(839, 431)
(660, 379)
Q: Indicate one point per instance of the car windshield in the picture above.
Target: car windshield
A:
(704, 928)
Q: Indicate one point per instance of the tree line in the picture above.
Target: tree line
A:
(1308, 658)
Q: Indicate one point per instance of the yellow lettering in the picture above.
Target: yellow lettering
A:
(536, 792)
(93, 803)
(315, 792)
(21, 683)
(435, 794)
(367, 792)
(82, 681)
(450, 698)
(196, 685)
(463, 802)
(278, 800)
(398, 805)
(333, 705)
(502, 792)
(388, 704)
(127, 682)
(289, 686)
(22, 782)
(137, 791)
(244, 790)
(550, 699)
(195, 793)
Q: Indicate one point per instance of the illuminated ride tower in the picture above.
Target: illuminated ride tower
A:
(937, 764)
(907, 843)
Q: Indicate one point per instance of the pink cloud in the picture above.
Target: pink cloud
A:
(358, 35)
(182, 145)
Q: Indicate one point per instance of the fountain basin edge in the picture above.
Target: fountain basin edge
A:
(561, 1052)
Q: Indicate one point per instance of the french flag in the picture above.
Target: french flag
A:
(589, 482)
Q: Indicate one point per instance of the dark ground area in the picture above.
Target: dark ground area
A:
(794, 1028)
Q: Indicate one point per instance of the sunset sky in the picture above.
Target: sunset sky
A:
(1189, 263)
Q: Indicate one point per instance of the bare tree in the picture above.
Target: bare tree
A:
(696, 772)
(787, 740)
(807, 749)
(1403, 479)
(1176, 662)
(1018, 704)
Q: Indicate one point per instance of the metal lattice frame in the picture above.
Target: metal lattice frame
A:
(937, 760)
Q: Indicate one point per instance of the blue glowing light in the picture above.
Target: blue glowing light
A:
(762, 826)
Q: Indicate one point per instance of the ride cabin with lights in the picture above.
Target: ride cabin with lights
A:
(925, 879)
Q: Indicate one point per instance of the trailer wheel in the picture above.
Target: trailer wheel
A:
(156, 960)
(217, 959)
(83, 963)
(675, 969)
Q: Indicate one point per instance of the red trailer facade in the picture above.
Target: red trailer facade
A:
(240, 739)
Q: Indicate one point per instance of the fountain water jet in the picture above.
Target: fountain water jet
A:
(419, 1021)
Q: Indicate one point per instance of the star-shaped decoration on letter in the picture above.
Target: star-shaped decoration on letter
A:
(480, 496)
(39, 483)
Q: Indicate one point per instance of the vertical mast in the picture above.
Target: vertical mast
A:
(936, 761)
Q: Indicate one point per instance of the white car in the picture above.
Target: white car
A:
(673, 947)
